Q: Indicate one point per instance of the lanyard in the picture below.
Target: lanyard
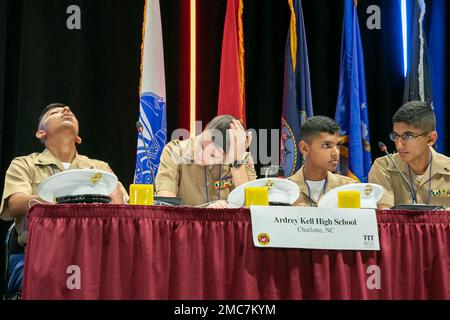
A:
(309, 189)
(414, 192)
(206, 184)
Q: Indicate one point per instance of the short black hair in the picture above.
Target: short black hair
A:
(48, 108)
(418, 114)
(219, 126)
(314, 126)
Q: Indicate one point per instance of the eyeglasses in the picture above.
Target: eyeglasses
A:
(406, 136)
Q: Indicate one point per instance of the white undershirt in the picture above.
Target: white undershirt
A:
(66, 165)
(316, 188)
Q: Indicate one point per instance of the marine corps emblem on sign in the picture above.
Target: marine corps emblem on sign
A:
(263, 239)
(96, 178)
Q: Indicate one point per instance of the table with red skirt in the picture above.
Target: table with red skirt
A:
(97, 251)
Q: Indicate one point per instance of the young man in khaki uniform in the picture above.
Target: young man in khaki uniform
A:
(428, 172)
(58, 131)
(204, 169)
(320, 144)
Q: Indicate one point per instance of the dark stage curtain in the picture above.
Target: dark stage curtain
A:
(96, 69)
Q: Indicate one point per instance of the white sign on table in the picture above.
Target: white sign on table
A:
(315, 228)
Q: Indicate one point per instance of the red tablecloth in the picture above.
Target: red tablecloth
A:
(132, 252)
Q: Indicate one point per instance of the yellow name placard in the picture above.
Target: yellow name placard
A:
(141, 194)
(256, 196)
(349, 199)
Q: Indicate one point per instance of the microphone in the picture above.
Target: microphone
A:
(140, 129)
(384, 149)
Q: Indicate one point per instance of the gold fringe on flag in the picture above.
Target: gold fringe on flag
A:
(293, 32)
(142, 49)
(241, 55)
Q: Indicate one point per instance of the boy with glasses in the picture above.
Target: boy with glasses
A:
(426, 171)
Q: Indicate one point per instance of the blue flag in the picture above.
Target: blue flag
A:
(351, 109)
(152, 111)
(425, 80)
(438, 66)
(297, 100)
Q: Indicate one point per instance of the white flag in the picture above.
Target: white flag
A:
(152, 110)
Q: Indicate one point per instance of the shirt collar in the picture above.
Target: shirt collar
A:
(188, 149)
(46, 158)
(441, 164)
(300, 179)
(301, 182)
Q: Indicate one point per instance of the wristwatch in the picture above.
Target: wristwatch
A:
(237, 164)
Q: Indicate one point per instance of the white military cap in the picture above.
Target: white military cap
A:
(77, 182)
(281, 191)
(370, 195)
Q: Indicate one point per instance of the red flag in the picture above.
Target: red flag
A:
(232, 75)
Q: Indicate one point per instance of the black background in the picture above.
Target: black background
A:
(95, 70)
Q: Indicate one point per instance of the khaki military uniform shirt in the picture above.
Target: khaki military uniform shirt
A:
(25, 174)
(193, 183)
(396, 191)
(333, 181)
